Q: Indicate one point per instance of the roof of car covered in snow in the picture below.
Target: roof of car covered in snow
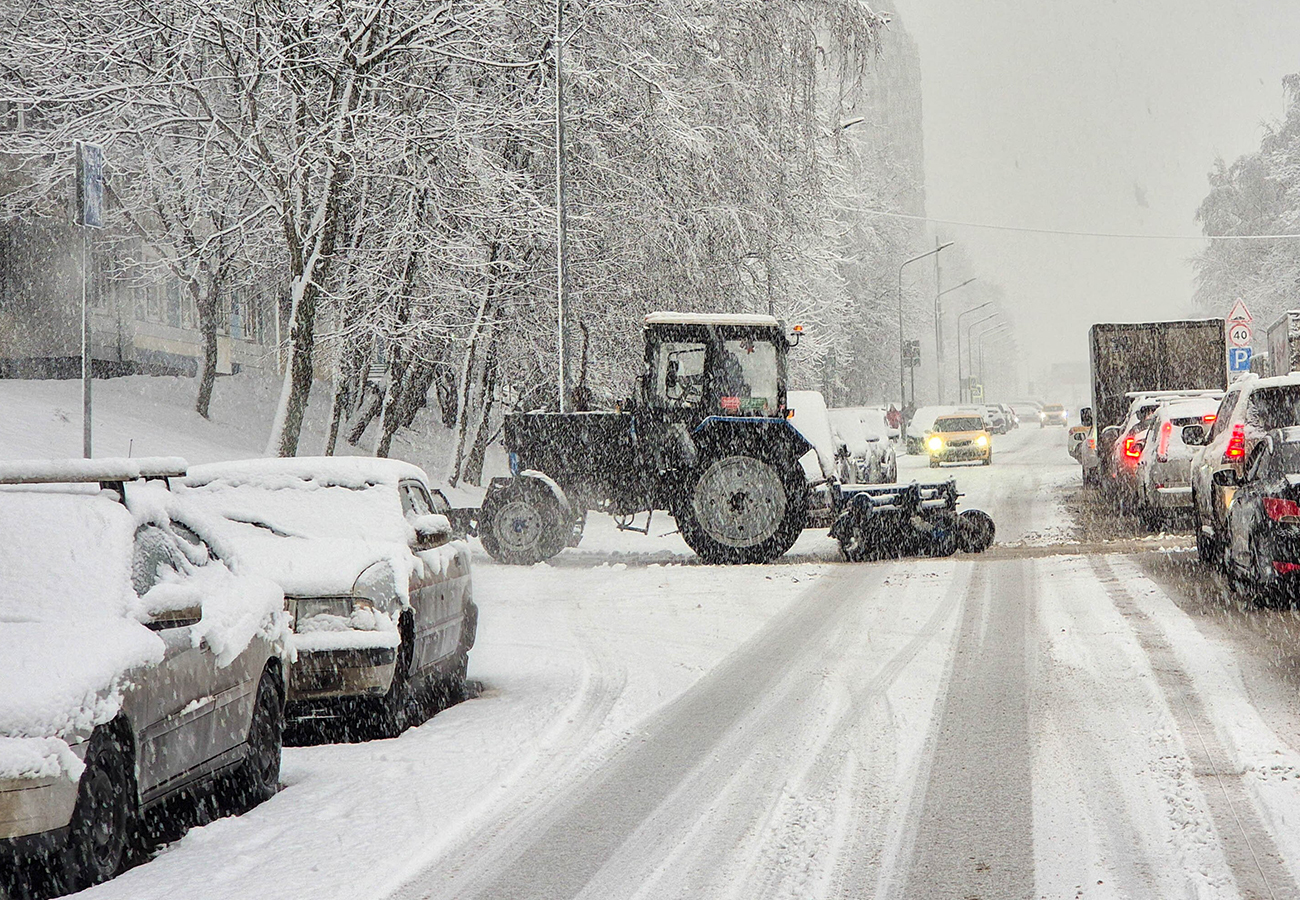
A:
(75, 471)
(680, 318)
(344, 471)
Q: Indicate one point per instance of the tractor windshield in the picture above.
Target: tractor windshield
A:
(746, 377)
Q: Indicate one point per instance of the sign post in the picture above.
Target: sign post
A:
(89, 214)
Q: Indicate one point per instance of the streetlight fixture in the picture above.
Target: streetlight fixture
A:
(902, 385)
(969, 355)
(938, 336)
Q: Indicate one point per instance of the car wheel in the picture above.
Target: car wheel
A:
(743, 509)
(1150, 518)
(392, 713)
(102, 832)
(1262, 580)
(258, 777)
(934, 464)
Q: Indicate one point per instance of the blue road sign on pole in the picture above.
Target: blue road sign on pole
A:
(1239, 359)
(90, 185)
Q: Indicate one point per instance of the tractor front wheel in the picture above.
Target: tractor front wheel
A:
(523, 525)
(743, 509)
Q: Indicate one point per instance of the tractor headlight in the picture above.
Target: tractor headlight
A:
(935, 443)
(981, 441)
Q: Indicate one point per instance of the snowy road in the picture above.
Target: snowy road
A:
(1077, 713)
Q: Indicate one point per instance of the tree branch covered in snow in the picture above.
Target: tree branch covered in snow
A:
(392, 166)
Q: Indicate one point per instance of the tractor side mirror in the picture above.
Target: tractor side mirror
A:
(1225, 478)
(1195, 435)
(1085, 417)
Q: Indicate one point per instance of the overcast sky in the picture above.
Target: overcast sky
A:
(1104, 115)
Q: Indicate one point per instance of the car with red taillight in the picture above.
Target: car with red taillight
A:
(1164, 463)
(1251, 409)
(1262, 531)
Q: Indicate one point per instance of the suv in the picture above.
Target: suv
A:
(383, 614)
(1252, 407)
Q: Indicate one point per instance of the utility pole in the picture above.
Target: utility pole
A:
(560, 298)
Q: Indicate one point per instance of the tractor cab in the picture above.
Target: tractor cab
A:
(701, 365)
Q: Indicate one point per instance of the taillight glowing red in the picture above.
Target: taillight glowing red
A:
(1279, 508)
(1285, 568)
(1236, 448)
(1132, 449)
(1162, 449)
(1209, 418)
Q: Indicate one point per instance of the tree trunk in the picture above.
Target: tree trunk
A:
(205, 305)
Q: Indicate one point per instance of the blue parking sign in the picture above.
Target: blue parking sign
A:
(1239, 359)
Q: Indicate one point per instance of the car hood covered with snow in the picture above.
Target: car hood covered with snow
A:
(314, 526)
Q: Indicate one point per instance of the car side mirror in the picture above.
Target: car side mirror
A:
(1195, 435)
(431, 530)
(1085, 417)
(1225, 478)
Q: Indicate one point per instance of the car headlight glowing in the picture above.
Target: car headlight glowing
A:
(935, 443)
(981, 441)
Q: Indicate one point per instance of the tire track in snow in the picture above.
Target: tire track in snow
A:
(1248, 847)
(555, 767)
(785, 820)
(569, 841)
(971, 834)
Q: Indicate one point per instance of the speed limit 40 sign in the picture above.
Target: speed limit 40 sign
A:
(1239, 334)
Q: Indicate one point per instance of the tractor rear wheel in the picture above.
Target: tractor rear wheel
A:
(743, 509)
(523, 525)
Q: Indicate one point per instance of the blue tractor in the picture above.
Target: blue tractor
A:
(705, 437)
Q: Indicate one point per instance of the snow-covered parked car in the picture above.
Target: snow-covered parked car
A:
(377, 586)
(134, 664)
(825, 466)
(865, 434)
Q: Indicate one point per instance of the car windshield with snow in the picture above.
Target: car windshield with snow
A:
(379, 591)
(136, 665)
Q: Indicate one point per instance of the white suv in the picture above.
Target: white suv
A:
(1252, 407)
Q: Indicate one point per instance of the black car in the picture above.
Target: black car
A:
(1263, 540)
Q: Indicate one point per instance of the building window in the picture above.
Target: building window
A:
(154, 302)
(174, 302)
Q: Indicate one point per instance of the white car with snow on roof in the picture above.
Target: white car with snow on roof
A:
(134, 663)
(379, 591)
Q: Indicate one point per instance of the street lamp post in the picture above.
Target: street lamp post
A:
(902, 385)
(969, 329)
(960, 384)
(938, 338)
(1001, 328)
